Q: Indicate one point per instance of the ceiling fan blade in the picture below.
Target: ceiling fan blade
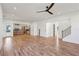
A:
(52, 4)
(48, 8)
(49, 12)
(40, 11)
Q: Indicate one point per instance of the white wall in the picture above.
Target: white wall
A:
(42, 27)
(1, 28)
(34, 29)
(49, 29)
(74, 38)
(46, 28)
(21, 22)
(5, 23)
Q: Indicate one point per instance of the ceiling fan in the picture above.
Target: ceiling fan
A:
(48, 8)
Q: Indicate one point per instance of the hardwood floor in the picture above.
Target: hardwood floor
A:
(25, 45)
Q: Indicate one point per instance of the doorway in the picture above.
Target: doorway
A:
(21, 29)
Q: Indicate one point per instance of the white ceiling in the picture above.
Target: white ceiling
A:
(28, 11)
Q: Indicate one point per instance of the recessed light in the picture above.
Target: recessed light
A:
(14, 8)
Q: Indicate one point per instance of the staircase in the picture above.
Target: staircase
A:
(66, 32)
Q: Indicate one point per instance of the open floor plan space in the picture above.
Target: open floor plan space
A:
(25, 45)
(39, 29)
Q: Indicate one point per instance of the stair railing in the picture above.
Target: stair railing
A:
(66, 32)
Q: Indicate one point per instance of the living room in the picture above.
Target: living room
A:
(49, 34)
